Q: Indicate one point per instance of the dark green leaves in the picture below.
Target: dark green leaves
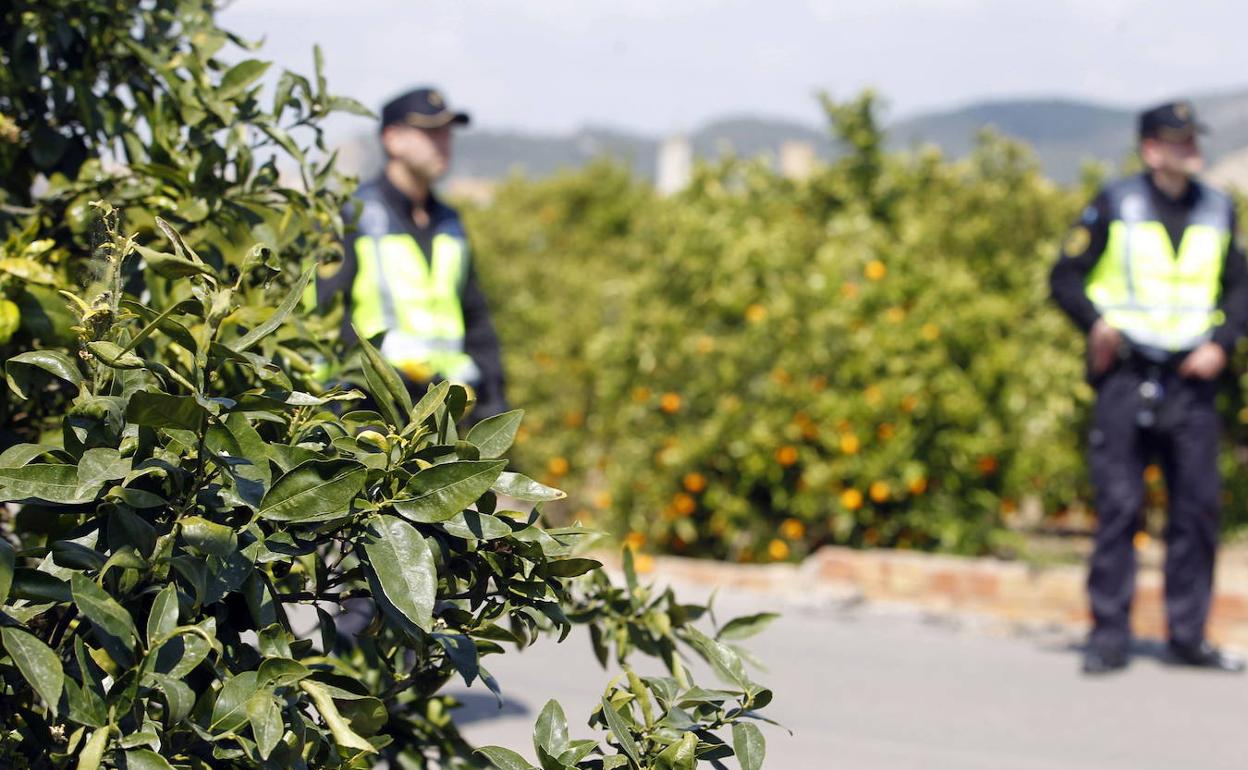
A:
(56, 484)
(101, 609)
(440, 492)
(37, 662)
(314, 490)
(623, 734)
(493, 435)
(19, 369)
(403, 564)
(746, 626)
(240, 76)
(386, 386)
(7, 562)
(271, 323)
(161, 410)
(749, 745)
(524, 488)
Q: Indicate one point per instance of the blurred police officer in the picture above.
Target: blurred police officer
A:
(1154, 275)
(407, 273)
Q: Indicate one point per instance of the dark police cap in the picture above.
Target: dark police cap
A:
(1175, 121)
(421, 108)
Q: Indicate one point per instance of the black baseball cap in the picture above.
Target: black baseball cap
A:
(1173, 121)
(421, 108)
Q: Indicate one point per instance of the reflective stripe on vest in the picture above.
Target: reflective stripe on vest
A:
(1157, 298)
(416, 302)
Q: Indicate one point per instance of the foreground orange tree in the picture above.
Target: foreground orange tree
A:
(179, 488)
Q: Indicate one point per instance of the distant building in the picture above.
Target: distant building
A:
(797, 159)
(675, 167)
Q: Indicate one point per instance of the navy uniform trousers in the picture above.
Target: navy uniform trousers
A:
(1183, 438)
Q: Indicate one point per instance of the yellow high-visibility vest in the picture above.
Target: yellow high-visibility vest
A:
(1156, 297)
(413, 299)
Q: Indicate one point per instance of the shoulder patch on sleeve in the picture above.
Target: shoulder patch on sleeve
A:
(1077, 241)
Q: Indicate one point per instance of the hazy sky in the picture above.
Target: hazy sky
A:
(669, 65)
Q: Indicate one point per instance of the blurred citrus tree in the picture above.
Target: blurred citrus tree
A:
(762, 365)
(187, 511)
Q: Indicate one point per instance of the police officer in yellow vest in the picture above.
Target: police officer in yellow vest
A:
(407, 272)
(1154, 275)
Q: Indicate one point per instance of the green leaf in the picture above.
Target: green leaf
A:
(18, 369)
(723, 659)
(429, 403)
(240, 76)
(28, 270)
(314, 490)
(388, 389)
(146, 759)
(746, 626)
(230, 710)
(266, 722)
(493, 435)
(279, 315)
(114, 355)
(38, 663)
(99, 465)
(440, 492)
(623, 735)
(570, 567)
(209, 537)
(179, 697)
(347, 104)
(8, 561)
(282, 672)
(161, 410)
(550, 734)
(93, 752)
(22, 454)
(172, 266)
(471, 525)
(522, 487)
(681, 755)
(463, 654)
(749, 745)
(57, 484)
(36, 586)
(338, 727)
(163, 618)
(404, 566)
(504, 759)
(101, 609)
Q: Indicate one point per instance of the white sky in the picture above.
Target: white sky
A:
(669, 65)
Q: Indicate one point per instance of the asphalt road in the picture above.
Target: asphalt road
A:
(867, 687)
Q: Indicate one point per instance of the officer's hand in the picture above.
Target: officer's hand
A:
(1103, 343)
(1204, 363)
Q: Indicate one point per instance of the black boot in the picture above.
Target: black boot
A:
(1205, 655)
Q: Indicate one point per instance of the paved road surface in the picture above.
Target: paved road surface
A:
(878, 688)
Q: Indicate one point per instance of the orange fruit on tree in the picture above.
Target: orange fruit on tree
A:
(755, 313)
(778, 550)
(875, 270)
(851, 499)
(684, 504)
(694, 482)
(786, 455)
(918, 486)
(670, 402)
(849, 444)
(793, 529)
(558, 466)
(879, 491)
